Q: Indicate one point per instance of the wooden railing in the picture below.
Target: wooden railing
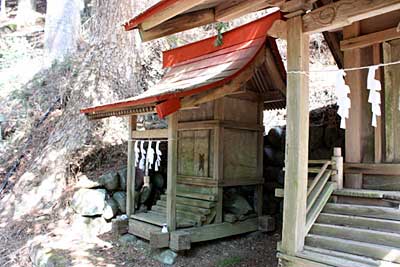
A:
(329, 177)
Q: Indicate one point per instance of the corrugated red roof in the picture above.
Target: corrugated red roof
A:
(201, 66)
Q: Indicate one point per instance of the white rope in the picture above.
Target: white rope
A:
(346, 69)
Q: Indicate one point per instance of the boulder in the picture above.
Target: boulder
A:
(110, 209)
(166, 256)
(110, 181)
(316, 137)
(48, 257)
(120, 198)
(236, 203)
(89, 202)
(127, 240)
(123, 174)
(85, 182)
(276, 138)
(88, 227)
(158, 181)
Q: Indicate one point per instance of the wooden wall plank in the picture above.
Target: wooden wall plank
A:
(379, 130)
(295, 195)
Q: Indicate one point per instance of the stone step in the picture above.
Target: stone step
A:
(360, 222)
(336, 256)
(378, 252)
(363, 211)
(365, 193)
(357, 234)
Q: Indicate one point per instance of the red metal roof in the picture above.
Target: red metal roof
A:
(201, 66)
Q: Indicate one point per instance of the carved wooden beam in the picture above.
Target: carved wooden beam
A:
(345, 12)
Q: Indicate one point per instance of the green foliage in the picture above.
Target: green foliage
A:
(229, 261)
(221, 27)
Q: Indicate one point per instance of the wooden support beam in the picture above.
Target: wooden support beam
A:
(370, 39)
(229, 10)
(219, 156)
(179, 24)
(260, 160)
(172, 170)
(345, 12)
(278, 30)
(295, 195)
(373, 169)
(153, 133)
(171, 11)
(131, 170)
(352, 58)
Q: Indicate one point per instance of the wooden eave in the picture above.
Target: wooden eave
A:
(172, 16)
(248, 63)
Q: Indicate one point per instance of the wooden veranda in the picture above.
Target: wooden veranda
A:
(348, 215)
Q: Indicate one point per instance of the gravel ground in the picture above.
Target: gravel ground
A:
(254, 249)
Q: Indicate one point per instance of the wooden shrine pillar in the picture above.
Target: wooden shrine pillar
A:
(131, 170)
(352, 58)
(296, 158)
(359, 136)
(172, 170)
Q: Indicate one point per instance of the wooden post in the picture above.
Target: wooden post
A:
(352, 58)
(337, 165)
(131, 170)
(219, 157)
(295, 193)
(260, 157)
(172, 170)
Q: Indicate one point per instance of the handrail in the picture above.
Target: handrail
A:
(318, 177)
(321, 189)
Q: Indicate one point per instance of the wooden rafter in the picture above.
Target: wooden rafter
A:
(229, 10)
(345, 12)
(176, 8)
(178, 24)
(370, 39)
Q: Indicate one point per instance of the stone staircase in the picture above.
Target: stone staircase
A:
(347, 235)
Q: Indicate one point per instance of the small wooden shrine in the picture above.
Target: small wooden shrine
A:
(213, 98)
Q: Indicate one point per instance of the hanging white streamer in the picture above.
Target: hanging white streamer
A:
(143, 156)
(136, 153)
(344, 102)
(374, 86)
(158, 152)
(150, 155)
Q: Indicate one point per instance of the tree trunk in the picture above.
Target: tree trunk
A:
(3, 13)
(26, 12)
(61, 30)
